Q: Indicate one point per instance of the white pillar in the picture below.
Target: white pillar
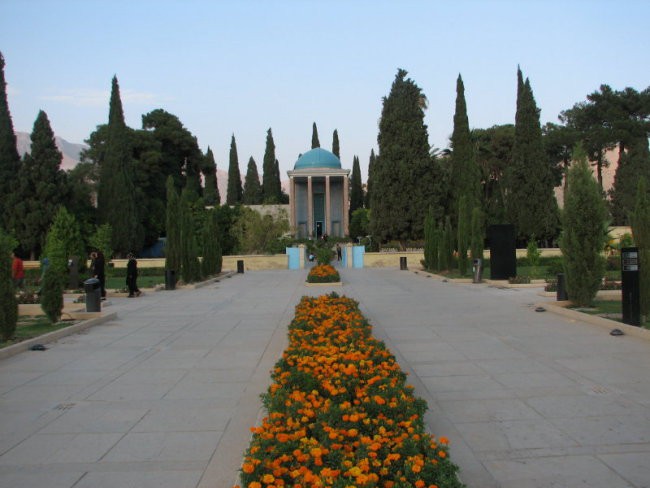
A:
(292, 206)
(346, 204)
(328, 212)
(310, 208)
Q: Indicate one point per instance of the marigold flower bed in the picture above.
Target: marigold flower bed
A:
(340, 413)
(323, 273)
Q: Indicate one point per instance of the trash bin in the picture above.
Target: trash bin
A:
(402, 263)
(93, 292)
(170, 279)
(561, 288)
(477, 269)
(240, 265)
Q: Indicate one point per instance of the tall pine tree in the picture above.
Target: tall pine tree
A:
(271, 186)
(530, 204)
(404, 174)
(116, 194)
(314, 137)
(336, 150)
(9, 158)
(465, 173)
(234, 194)
(211, 195)
(173, 242)
(252, 186)
(41, 188)
(371, 164)
(356, 188)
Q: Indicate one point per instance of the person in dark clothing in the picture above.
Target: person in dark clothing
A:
(97, 266)
(132, 277)
(338, 252)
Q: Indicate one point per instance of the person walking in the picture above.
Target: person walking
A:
(338, 252)
(132, 276)
(98, 265)
(17, 271)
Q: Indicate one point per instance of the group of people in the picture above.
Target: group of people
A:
(97, 270)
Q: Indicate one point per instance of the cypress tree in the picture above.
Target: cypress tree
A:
(252, 186)
(477, 235)
(314, 137)
(356, 188)
(63, 240)
(404, 175)
(464, 233)
(584, 234)
(371, 164)
(52, 293)
(640, 220)
(336, 150)
(9, 158)
(634, 164)
(211, 195)
(450, 243)
(431, 242)
(40, 190)
(465, 173)
(116, 193)
(234, 195)
(211, 263)
(173, 242)
(189, 254)
(8, 302)
(531, 204)
(271, 186)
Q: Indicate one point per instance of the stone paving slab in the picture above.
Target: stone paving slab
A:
(164, 394)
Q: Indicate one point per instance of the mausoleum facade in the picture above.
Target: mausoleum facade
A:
(318, 195)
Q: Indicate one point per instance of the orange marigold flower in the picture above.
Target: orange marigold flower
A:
(442, 454)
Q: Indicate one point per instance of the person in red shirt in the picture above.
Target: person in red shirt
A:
(17, 271)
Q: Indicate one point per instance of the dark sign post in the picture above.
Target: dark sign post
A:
(631, 295)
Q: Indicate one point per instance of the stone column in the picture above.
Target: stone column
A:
(301, 249)
(310, 208)
(346, 204)
(292, 206)
(328, 212)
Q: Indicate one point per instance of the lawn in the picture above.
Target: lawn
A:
(30, 327)
(119, 282)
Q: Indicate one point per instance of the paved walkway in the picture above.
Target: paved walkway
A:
(164, 396)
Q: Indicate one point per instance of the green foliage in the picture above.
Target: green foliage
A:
(531, 204)
(271, 185)
(532, 252)
(52, 293)
(211, 188)
(640, 220)
(189, 254)
(117, 194)
(258, 233)
(173, 242)
(8, 302)
(464, 233)
(477, 234)
(336, 150)
(359, 223)
(633, 165)
(371, 164)
(252, 186)
(314, 137)
(41, 188)
(82, 183)
(9, 158)
(212, 260)
(584, 235)
(431, 243)
(356, 187)
(323, 253)
(226, 219)
(404, 166)
(234, 195)
(101, 240)
(64, 241)
(465, 173)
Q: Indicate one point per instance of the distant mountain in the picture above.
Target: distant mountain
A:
(69, 150)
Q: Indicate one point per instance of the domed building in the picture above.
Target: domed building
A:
(318, 195)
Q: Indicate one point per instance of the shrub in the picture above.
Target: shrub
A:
(52, 293)
(532, 252)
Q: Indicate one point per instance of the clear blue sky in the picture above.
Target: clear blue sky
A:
(240, 67)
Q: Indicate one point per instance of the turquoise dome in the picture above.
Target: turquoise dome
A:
(318, 158)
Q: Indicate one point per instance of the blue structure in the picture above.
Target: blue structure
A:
(318, 195)
(293, 254)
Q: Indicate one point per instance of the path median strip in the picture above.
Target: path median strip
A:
(340, 413)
